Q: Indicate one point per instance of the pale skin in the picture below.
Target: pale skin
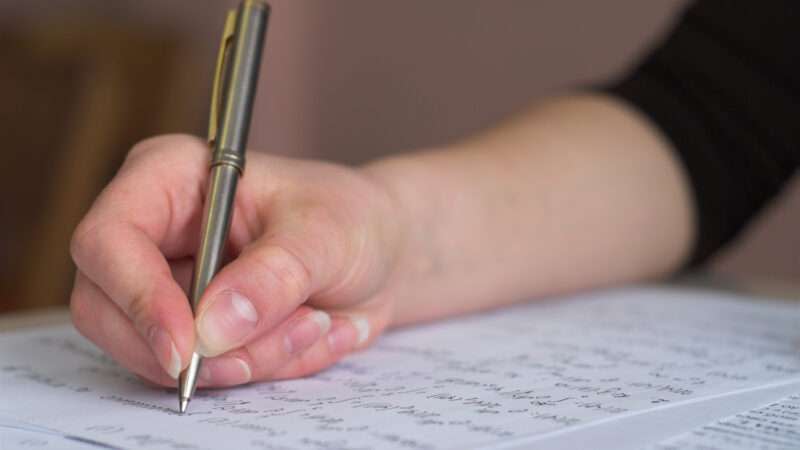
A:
(577, 192)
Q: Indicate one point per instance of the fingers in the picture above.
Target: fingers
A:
(158, 189)
(294, 238)
(323, 240)
(102, 322)
(126, 265)
(148, 213)
(271, 278)
(352, 329)
(347, 333)
(308, 341)
(182, 271)
(238, 366)
(250, 295)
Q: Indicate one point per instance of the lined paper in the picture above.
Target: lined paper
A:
(522, 374)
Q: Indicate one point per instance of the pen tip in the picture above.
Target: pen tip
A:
(183, 405)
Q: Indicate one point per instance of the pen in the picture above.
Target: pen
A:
(232, 96)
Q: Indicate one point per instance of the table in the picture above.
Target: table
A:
(36, 317)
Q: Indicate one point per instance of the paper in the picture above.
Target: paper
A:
(520, 375)
(775, 426)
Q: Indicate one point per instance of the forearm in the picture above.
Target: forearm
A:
(575, 193)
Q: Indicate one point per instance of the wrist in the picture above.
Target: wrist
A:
(407, 184)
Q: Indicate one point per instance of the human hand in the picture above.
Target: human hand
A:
(312, 247)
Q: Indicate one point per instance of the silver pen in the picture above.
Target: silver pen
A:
(232, 97)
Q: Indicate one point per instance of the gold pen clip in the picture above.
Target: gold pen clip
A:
(216, 94)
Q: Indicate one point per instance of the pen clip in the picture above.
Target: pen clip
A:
(216, 89)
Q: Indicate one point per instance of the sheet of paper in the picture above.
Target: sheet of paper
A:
(775, 426)
(500, 379)
(640, 430)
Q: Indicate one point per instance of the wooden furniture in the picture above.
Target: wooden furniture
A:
(78, 95)
(34, 318)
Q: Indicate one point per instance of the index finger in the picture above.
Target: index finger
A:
(145, 215)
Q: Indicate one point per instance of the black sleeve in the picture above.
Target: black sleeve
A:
(725, 89)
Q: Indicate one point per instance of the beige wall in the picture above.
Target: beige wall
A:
(352, 79)
(371, 77)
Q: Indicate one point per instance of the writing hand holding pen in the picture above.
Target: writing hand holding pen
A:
(258, 308)
(312, 247)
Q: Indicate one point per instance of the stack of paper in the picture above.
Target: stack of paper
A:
(626, 369)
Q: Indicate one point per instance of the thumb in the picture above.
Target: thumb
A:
(266, 283)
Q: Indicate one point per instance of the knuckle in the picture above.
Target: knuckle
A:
(89, 239)
(80, 310)
(288, 270)
(329, 225)
(261, 364)
(291, 273)
(167, 142)
(138, 309)
(328, 240)
(143, 147)
(81, 241)
(319, 215)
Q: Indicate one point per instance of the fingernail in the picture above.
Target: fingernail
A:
(361, 325)
(224, 371)
(165, 351)
(229, 319)
(344, 337)
(307, 330)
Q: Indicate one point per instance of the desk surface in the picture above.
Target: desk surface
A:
(36, 317)
(778, 289)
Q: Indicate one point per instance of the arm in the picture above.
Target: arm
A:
(589, 190)
(575, 193)
(585, 191)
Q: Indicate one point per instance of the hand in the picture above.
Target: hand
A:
(312, 247)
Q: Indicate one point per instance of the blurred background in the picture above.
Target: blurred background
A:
(82, 80)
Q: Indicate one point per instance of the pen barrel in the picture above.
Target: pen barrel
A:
(217, 212)
(242, 56)
(239, 81)
(240, 78)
